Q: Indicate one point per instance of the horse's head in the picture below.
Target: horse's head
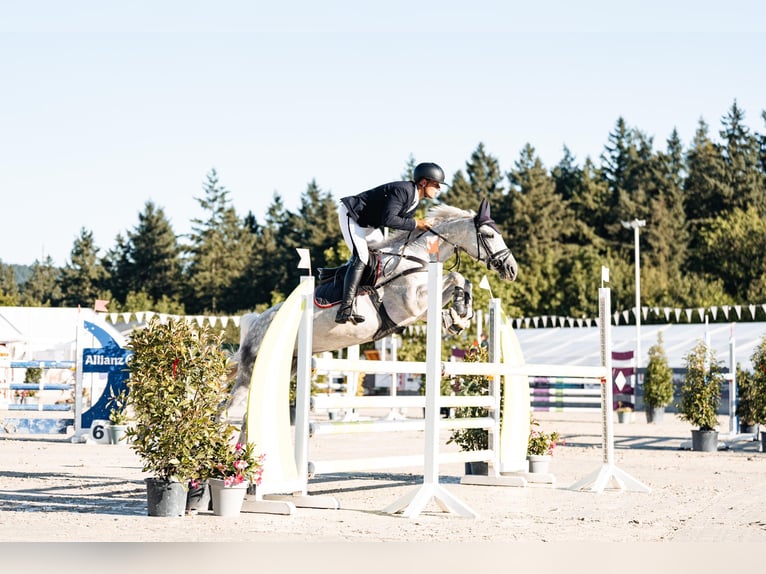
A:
(478, 236)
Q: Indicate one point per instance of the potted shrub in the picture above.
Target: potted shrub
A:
(658, 383)
(540, 447)
(236, 466)
(32, 375)
(624, 412)
(747, 402)
(758, 358)
(471, 439)
(118, 416)
(177, 389)
(701, 395)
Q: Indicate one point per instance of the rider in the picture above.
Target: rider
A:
(389, 205)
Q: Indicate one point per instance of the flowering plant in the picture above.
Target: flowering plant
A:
(541, 443)
(236, 464)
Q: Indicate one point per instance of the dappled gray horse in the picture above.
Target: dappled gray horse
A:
(397, 296)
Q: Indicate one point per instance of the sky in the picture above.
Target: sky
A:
(106, 105)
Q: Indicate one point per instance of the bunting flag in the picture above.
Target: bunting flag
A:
(701, 313)
(714, 311)
(667, 313)
(644, 312)
(304, 259)
(725, 311)
(738, 309)
(752, 310)
(616, 317)
(688, 315)
(678, 315)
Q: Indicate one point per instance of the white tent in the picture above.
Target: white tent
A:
(580, 345)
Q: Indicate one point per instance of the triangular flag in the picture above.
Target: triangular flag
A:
(484, 284)
(305, 259)
(100, 305)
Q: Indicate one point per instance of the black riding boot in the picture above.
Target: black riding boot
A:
(350, 285)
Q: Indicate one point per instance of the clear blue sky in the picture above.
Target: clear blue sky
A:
(105, 105)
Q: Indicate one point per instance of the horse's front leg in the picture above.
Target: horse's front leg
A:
(458, 316)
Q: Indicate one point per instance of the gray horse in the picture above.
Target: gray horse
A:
(399, 296)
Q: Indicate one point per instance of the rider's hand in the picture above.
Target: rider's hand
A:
(422, 224)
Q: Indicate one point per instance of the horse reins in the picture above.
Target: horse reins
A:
(493, 259)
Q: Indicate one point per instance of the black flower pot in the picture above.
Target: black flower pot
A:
(654, 415)
(165, 497)
(198, 498)
(705, 440)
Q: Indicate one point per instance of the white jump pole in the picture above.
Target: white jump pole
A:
(412, 504)
(733, 419)
(608, 472)
(303, 388)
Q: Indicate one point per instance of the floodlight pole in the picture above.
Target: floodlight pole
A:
(635, 225)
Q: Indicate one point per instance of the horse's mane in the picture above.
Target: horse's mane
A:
(439, 214)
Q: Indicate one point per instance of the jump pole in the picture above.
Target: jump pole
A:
(412, 504)
(608, 471)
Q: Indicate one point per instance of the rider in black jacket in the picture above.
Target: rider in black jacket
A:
(362, 216)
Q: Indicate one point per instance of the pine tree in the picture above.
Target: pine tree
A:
(41, 289)
(83, 279)
(536, 216)
(149, 260)
(705, 192)
(265, 278)
(666, 236)
(625, 162)
(744, 177)
(220, 246)
(9, 290)
(484, 182)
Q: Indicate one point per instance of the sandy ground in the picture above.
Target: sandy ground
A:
(54, 491)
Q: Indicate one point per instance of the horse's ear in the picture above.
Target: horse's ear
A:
(484, 210)
(484, 217)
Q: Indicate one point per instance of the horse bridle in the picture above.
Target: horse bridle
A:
(494, 259)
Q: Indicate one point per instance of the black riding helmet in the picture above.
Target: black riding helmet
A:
(429, 171)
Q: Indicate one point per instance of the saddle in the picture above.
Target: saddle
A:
(329, 290)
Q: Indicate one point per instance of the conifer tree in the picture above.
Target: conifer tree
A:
(41, 289)
(9, 290)
(148, 261)
(83, 279)
(744, 177)
(220, 246)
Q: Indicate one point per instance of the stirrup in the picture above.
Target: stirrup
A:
(346, 314)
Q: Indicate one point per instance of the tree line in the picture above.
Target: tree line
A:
(703, 244)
